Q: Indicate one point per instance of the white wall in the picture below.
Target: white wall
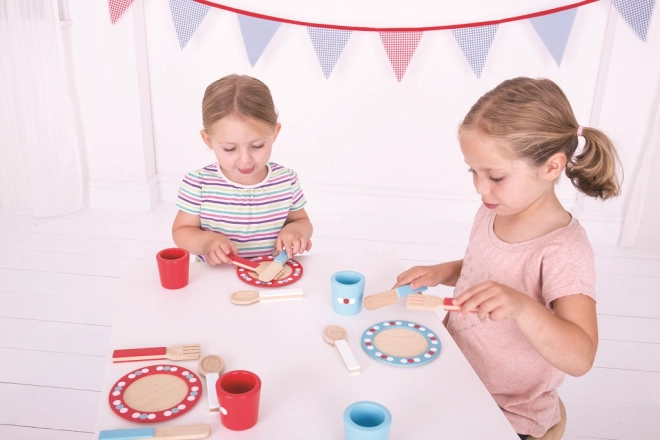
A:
(361, 142)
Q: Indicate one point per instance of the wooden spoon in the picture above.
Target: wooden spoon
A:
(211, 367)
(335, 335)
(245, 297)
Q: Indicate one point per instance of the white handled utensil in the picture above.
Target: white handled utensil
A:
(211, 367)
(389, 297)
(335, 335)
(188, 432)
(245, 297)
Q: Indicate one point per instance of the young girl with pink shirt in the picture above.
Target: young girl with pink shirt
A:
(528, 272)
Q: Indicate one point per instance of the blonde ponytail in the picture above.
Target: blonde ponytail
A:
(594, 171)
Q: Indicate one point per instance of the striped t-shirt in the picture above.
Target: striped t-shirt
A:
(251, 216)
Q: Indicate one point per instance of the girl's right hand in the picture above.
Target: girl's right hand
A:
(217, 248)
(419, 276)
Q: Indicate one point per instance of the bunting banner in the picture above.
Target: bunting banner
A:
(257, 33)
(554, 30)
(637, 13)
(400, 47)
(328, 45)
(117, 9)
(187, 15)
(553, 25)
(475, 44)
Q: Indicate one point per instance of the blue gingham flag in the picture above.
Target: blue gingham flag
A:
(475, 43)
(637, 14)
(187, 15)
(554, 30)
(257, 33)
(328, 45)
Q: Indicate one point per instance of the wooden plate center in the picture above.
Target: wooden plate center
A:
(286, 272)
(156, 392)
(401, 342)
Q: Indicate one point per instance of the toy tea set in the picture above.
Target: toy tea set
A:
(159, 393)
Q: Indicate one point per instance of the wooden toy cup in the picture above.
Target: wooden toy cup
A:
(173, 267)
(238, 394)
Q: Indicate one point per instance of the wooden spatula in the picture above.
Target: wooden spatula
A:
(274, 267)
(335, 335)
(245, 297)
(389, 297)
(173, 353)
(188, 432)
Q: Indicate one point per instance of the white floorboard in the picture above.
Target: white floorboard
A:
(59, 278)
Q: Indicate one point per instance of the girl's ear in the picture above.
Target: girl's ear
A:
(278, 127)
(554, 166)
(206, 138)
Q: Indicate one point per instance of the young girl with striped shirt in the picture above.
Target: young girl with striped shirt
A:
(243, 204)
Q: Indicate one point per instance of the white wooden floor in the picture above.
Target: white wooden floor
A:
(59, 278)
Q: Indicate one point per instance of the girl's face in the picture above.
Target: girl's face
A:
(242, 147)
(506, 184)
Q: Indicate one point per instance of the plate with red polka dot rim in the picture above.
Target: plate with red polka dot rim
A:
(292, 269)
(370, 346)
(187, 392)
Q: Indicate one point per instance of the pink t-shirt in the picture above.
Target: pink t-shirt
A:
(557, 264)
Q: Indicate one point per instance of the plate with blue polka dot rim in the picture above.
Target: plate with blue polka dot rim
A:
(398, 347)
(155, 393)
(292, 272)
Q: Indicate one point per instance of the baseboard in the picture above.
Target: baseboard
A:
(111, 195)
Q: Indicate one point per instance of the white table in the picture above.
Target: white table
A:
(305, 386)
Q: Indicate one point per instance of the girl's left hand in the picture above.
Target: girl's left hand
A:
(292, 241)
(493, 300)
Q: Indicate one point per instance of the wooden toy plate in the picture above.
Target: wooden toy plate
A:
(401, 343)
(155, 393)
(292, 272)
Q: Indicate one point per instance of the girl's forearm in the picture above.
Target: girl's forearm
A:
(561, 342)
(192, 238)
(302, 225)
(452, 272)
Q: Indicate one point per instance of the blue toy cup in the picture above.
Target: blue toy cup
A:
(347, 291)
(367, 421)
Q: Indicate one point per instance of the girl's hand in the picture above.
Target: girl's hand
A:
(493, 300)
(217, 248)
(419, 276)
(293, 240)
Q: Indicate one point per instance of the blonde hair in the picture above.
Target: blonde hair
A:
(239, 95)
(534, 120)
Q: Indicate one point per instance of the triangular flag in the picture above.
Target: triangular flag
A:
(328, 45)
(475, 44)
(400, 47)
(554, 30)
(117, 9)
(257, 33)
(637, 14)
(187, 16)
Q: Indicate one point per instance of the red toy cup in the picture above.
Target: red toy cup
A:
(173, 267)
(238, 394)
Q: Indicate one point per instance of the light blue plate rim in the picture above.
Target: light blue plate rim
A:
(432, 352)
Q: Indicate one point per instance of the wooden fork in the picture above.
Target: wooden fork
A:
(173, 353)
(430, 302)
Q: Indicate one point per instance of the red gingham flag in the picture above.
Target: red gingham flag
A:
(400, 47)
(117, 8)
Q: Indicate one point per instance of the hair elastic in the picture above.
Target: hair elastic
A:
(579, 132)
